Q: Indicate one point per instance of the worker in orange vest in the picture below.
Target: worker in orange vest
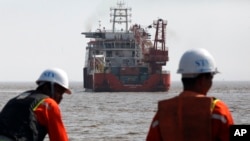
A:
(35, 113)
(192, 116)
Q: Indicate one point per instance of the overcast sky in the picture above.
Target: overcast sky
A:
(40, 34)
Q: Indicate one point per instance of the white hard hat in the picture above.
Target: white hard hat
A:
(55, 75)
(196, 61)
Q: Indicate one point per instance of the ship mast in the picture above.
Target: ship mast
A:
(120, 15)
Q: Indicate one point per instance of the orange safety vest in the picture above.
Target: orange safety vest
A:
(186, 118)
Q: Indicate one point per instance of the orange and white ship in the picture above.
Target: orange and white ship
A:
(126, 60)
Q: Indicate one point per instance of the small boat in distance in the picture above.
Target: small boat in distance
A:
(126, 60)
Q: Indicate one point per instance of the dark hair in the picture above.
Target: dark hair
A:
(44, 87)
(189, 82)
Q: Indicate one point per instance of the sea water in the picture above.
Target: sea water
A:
(126, 116)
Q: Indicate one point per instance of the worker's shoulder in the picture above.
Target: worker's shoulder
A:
(218, 102)
(50, 102)
(186, 100)
(169, 101)
(219, 105)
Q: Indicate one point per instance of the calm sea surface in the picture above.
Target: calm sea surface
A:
(126, 116)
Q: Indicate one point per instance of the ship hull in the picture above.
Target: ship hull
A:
(107, 82)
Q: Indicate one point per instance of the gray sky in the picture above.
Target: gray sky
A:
(40, 34)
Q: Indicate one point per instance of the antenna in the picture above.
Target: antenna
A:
(100, 24)
(120, 15)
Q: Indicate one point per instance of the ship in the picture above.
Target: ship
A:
(126, 59)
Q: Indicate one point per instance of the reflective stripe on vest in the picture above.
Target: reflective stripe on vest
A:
(217, 116)
(41, 101)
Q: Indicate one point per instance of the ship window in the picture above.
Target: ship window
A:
(107, 45)
(97, 52)
(125, 62)
(109, 53)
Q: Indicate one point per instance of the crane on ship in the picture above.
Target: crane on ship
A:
(157, 55)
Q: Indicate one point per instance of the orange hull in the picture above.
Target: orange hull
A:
(110, 83)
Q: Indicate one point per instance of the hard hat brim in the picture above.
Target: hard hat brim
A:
(68, 91)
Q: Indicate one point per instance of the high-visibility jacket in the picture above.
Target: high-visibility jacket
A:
(191, 117)
(30, 116)
(48, 115)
